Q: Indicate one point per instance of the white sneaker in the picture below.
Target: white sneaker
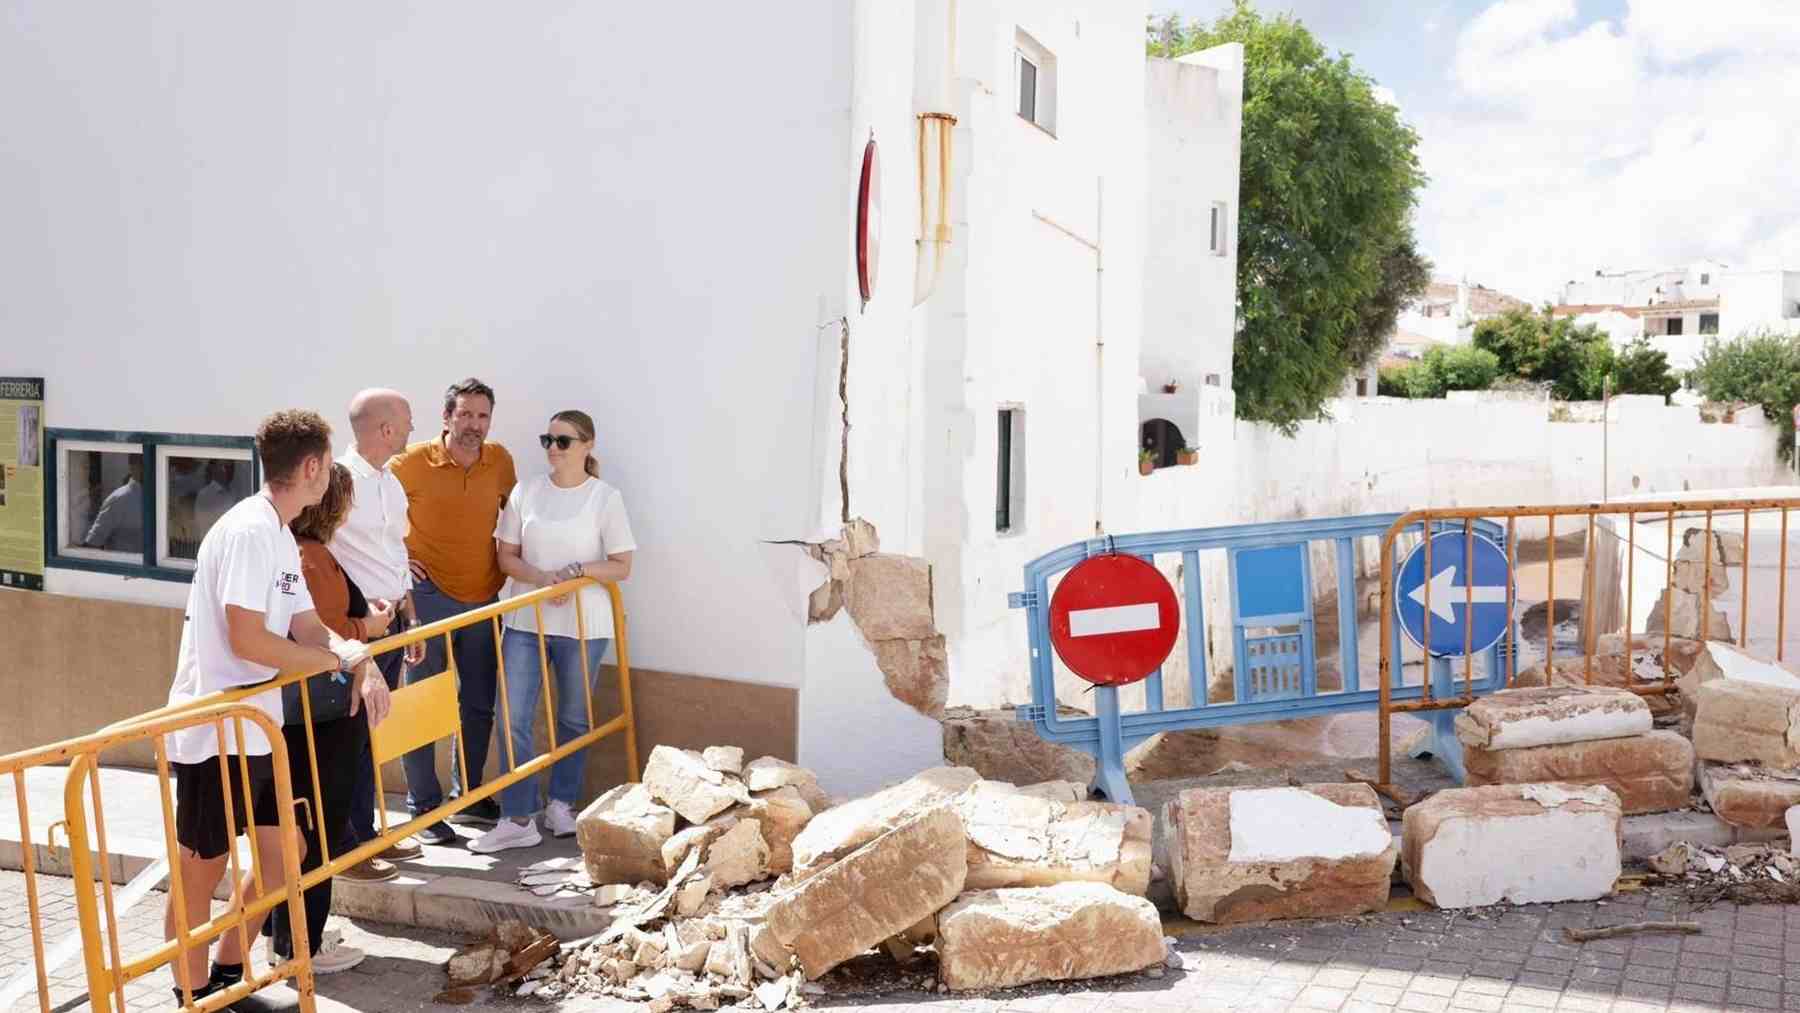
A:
(333, 955)
(507, 834)
(559, 819)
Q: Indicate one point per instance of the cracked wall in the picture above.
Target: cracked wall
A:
(889, 599)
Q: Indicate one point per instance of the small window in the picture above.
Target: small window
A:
(1709, 323)
(1705, 279)
(1035, 78)
(138, 504)
(1220, 225)
(1009, 471)
(1674, 326)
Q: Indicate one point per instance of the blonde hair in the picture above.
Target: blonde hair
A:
(584, 428)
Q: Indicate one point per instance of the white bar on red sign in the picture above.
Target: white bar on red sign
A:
(1116, 619)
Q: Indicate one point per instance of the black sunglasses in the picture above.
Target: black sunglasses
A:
(562, 442)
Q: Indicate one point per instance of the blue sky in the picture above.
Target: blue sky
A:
(1568, 135)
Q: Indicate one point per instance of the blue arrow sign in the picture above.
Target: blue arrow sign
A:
(1451, 592)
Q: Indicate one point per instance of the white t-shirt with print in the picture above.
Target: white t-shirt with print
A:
(248, 559)
(554, 527)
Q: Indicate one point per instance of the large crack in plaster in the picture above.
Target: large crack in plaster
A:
(889, 598)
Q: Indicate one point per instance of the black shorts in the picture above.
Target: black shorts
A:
(200, 802)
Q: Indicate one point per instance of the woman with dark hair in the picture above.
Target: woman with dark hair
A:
(339, 734)
(556, 527)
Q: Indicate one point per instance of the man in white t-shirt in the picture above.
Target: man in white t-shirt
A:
(246, 601)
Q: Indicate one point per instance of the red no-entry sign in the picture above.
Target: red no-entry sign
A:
(1113, 619)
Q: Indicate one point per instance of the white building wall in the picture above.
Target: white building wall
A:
(216, 212)
(1022, 321)
(1194, 139)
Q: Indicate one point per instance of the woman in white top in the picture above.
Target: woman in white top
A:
(556, 527)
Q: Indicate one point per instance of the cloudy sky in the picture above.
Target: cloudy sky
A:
(1567, 135)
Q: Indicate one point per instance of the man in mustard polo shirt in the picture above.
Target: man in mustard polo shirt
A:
(455, 487)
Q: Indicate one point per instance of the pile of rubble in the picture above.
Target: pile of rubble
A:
(514, 954)
(732, 882)
(1740, 873)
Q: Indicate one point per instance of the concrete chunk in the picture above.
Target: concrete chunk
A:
(1524, 844)
(681, 780)
(1650, 773)
(1551, 715)
(1249, 854)
(842, 830)
(1001, 938)
(876, 891)
(1020, 840)
(621, 834)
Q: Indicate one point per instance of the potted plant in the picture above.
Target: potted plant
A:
(1146, 462)
(1187, 455)
(1171, 387)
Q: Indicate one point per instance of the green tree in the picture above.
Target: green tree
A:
(1462, 367)
(1415, 379)
(1516, 337)
(1574, 360)
(1640, 369)
(1329, 177)
(1762, 368)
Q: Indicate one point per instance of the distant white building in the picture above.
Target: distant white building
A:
(1445, 315)
(1678, 309)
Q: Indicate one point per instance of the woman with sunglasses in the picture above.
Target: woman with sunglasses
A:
(555, 527)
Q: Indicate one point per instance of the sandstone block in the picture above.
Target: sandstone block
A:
(782, 814)
(621, 834)
(1524, 844)
(1248, 854)
(1739, 720)
(681, 780)
(1747, 796)
(1728, 547)
(1613, 667)
(1002, 748)
(836, 833)
(1019, 840)
(1695, 577)
(1650, 773)
(1551, 715)
(1714, 660)
(875, 891)
(675, 849)
(890, 597)
(1679, 612)
(1001, 938)
(738, 856)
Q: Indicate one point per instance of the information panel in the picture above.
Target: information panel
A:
(22, 482)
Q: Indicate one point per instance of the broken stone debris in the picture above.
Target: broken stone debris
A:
(1531, 843)
(874, 892)
(1551, 715)
(1248, 854)
(1002, 748)
(1650, 773)
(513, 951)
(1740, 720)
(1023, 840)
(621, 834)
(1746, 795)
(724, 759)
(1001, 938)
(878, 873)
(682, 780)
(1679, 612)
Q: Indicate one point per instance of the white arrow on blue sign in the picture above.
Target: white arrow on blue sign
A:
(1454, 582)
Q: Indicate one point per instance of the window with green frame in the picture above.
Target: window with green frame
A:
(138, 504)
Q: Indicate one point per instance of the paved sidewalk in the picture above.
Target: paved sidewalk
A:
(1423, 960)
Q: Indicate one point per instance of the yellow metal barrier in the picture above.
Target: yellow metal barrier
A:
(1587, 515)
(423, 713)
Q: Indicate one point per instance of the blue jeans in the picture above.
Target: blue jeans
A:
(476, 665)
(524, 691)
